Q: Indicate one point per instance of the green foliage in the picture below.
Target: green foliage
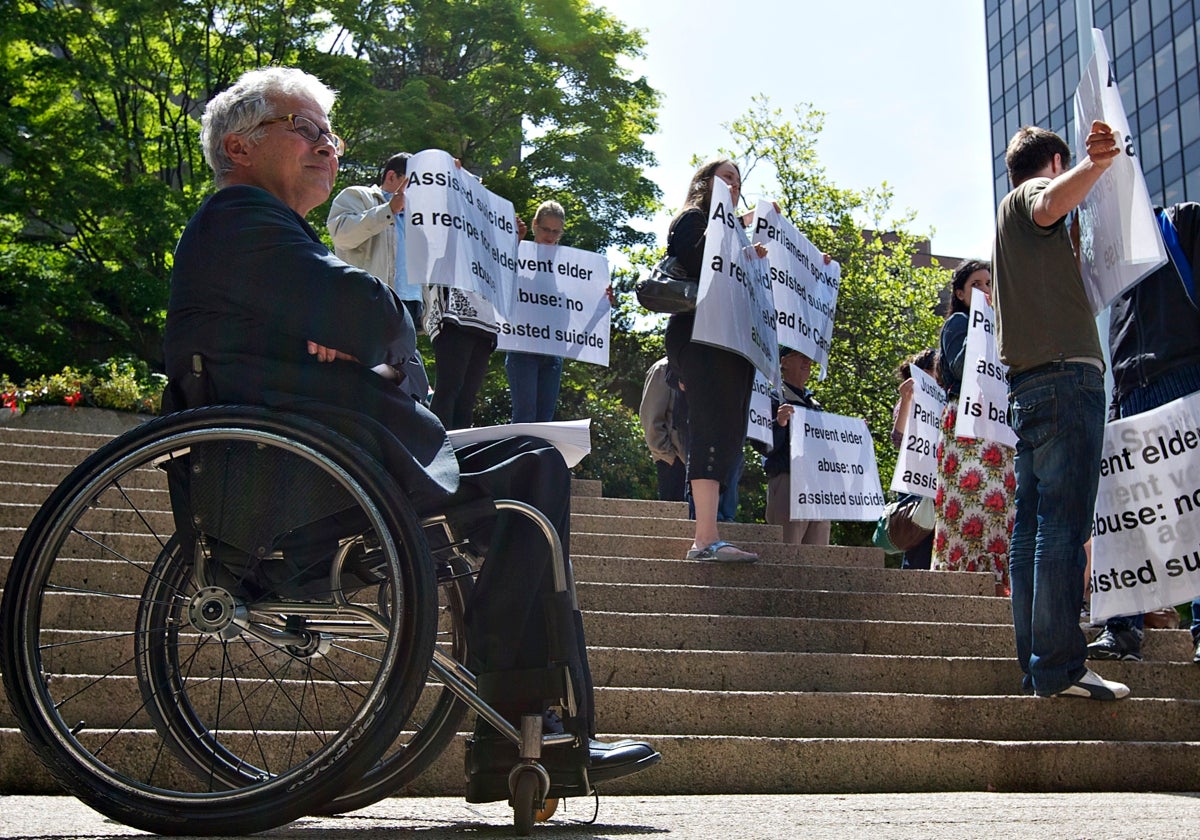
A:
(529, 94)
(123, 384)
(99, 110)
(885, 308)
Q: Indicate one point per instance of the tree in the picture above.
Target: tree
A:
(100, 121)
(886, 306)
(528, 94)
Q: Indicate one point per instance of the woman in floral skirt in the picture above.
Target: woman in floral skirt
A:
(976, 482)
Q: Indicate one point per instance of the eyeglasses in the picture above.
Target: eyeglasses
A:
(555, 232)
(310, 131)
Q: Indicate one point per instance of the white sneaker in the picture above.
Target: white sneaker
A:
(1094, 687)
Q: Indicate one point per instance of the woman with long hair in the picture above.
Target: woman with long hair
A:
(717, 381)
(976, 482)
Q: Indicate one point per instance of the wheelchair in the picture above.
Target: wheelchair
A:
(278, 640)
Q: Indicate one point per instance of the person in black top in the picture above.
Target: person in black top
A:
(1154, 339)
(718, 381)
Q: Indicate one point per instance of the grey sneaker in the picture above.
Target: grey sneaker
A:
(1094, 687)
(1122, 643)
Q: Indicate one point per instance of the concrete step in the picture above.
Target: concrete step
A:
(710, 764)
(751, 601)
(761, 671)
(661, 526)
(777, 714)
(764, 574)
(676, 548)
(814, 670)
(605, 506)
(679, 631)
(802, 715)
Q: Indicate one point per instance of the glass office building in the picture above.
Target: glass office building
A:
(1033, 69)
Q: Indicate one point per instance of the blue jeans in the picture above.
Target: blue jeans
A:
(1058, 415)
(533, 382)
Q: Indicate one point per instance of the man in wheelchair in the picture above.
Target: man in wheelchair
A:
(262, 313)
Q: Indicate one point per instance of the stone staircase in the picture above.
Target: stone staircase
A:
(816, 670)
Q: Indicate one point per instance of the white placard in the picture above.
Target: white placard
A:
(916, 468)
(983, 396)
(760, 425)
(1119, 240)
(561, 306)
(834, 475)
(805, 288)
(735, 308)
(1146, 532)
(458, 233)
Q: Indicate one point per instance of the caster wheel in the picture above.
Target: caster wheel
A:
(544, 813)
(525, 802)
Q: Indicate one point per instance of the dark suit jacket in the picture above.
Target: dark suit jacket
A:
(251, 284)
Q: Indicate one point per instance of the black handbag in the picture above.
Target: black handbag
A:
(668, 288)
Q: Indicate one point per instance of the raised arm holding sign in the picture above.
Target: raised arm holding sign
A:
(1118, 239)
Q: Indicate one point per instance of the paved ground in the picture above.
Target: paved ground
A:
(916, 816)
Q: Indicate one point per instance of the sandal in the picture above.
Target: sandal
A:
(722, 552)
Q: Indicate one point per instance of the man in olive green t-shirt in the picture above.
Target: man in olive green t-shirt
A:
(1046, 334)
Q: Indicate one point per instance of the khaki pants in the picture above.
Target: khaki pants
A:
(798, 532)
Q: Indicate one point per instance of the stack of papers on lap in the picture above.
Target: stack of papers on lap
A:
(572, 438)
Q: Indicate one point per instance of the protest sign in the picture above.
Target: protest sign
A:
(760, 425)
(1119, 242)
(983, 396)
(1146, 532)
(735, 309)
(805, 288)
(916, 468)
(834, 475)
(561, 306)
(458, 233)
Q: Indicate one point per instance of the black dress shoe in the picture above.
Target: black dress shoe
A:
(608, 761)
(490, 757)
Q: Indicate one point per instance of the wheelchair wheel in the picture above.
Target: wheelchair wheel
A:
(182, 645)
(439, 713)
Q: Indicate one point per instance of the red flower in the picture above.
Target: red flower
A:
(954, 510)
(992, 456)
(956, 555)
(997, 546)
(10, 402)
(950, 464)
(971, 480)
(940, 497)
(949, 419)
(995, 501)
(939, 541)
(1011, 521)
(73, 399)
(972, 527)
(1010, 482)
